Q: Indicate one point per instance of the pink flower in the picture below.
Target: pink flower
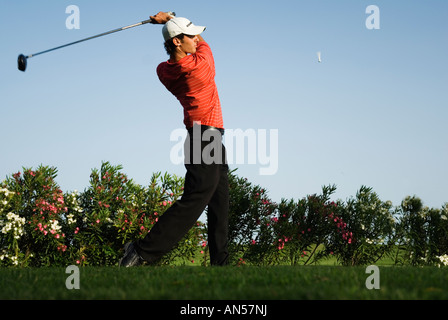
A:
(98, 221)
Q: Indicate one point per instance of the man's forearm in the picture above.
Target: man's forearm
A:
(200, 38)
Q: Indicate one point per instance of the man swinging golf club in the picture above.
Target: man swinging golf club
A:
(189, 75)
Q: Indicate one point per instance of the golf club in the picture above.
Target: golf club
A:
(22, 59)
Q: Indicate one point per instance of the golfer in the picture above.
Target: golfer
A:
(189, 75)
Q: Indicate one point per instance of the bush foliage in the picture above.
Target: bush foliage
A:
(40, 225)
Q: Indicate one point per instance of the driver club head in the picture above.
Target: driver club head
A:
(21, 61)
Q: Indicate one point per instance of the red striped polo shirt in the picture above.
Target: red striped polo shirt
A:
(192, 81)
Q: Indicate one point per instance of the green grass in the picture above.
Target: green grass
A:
(225, 283)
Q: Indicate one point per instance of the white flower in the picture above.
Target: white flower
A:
(70, 218)
(443, 259)
(54, 225)
(6, 192)
(14, 224)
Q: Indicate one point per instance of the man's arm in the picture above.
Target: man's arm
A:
(200, 38)
(161, 18)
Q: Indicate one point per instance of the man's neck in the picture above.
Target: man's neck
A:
(177, 56)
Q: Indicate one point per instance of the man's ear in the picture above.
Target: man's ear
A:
(177, 41)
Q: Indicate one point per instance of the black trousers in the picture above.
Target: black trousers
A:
(205, 185)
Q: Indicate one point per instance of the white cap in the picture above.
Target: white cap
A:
(177, 26)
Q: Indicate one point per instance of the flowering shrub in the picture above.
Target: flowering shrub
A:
(115, 210)
(358, 232)
(372, 228)
(250, 223)
(41, 226)
(310, 229)
(11, 231)
(263, 232)
(36, 204)
(422, 233)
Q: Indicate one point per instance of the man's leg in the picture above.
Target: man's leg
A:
(200, 184)
(218, 221)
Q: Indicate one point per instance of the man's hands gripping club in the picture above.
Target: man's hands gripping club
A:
(162, 17)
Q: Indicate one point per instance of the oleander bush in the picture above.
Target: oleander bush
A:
(359, 231)
(372, 225)
(40, 225)
(422, 233)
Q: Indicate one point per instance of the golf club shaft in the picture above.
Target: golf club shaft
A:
(96, 36)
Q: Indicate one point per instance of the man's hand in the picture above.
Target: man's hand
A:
(161, 18)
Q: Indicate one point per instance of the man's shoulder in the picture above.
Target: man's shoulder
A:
(161, 65)
(202, 45)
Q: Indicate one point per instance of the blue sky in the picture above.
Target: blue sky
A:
(373, 113)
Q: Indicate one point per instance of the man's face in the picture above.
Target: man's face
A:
(188, 44)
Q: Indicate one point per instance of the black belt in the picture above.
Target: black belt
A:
(205, 128)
